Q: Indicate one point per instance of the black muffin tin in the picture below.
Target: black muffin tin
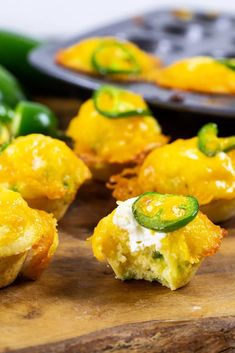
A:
(171, 35)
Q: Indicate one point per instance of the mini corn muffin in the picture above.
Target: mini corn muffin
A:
(44, 171)
(200, 74)
(182, 168)
(113, 130)
(28, 238)
(111, 57)
(156, 237)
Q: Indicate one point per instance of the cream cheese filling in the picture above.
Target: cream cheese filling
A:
(139, 236)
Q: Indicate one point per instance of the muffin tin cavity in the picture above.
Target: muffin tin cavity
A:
(181, 33)
(177, 29)
(206, 17)
(147, 44)
(229, 54)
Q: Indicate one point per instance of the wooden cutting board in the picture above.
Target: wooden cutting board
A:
(78, 306)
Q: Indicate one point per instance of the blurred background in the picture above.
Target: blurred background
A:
(60, 19)
(63, 18)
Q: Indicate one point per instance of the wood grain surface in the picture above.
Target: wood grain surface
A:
(78, 306)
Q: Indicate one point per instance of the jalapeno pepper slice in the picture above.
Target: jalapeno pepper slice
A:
(113, 57)
(210, 144)
(113, 102)
(227, 143)
(164, 212)
(230, 63)
(33, 118)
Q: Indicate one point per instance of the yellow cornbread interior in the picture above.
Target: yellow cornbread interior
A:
(38, 166)
(202, 74)
(113, 140)
(174, 265)
(79, 57)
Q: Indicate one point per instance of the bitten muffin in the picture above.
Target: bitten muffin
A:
(113, 130)
(45, 171)
(156, 237)
(28, 238)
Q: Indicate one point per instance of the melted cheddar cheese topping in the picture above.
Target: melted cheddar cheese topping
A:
(181, 168)
(113, 140)
(202, 74)
(40, 166)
